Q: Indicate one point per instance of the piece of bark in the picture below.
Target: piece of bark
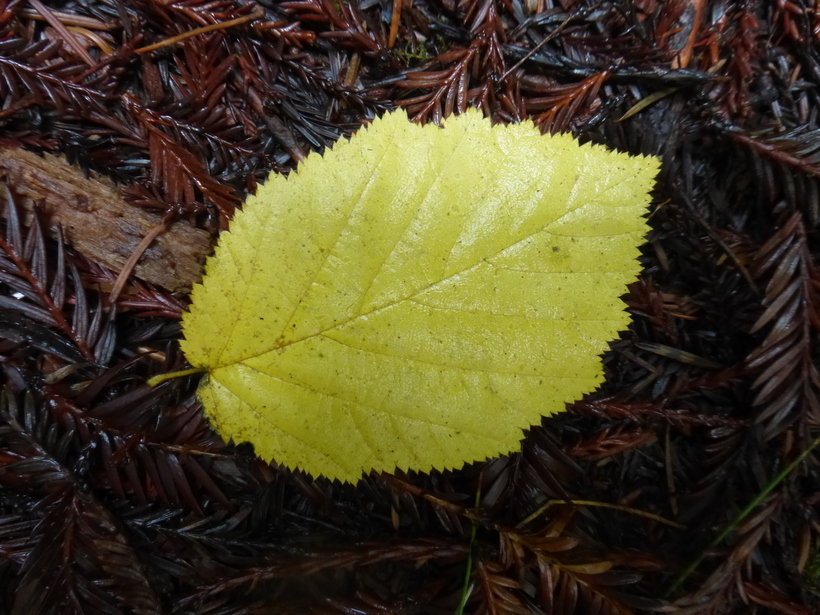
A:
(100, 224)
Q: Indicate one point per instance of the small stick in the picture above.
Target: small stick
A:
(685, 56)
(394, 23)
(129, 265)
(69, 37)
(626, 509)
(203, 30)
(549, 37)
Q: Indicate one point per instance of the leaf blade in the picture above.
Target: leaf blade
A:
(418, 296)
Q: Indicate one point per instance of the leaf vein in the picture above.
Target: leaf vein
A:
(331, 251)
(298, 383)
(267, 420)
(409, 223)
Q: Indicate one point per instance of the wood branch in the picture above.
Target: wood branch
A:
(100, 224)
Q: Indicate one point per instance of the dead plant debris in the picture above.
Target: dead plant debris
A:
(118, 498)
(96, 220)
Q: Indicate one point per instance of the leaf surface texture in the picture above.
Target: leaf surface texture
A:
(418, 295)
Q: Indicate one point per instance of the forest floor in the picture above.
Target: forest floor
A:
(688, 483)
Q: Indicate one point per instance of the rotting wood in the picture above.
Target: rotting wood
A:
(100, 224)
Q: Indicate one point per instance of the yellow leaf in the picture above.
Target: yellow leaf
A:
(418, 295)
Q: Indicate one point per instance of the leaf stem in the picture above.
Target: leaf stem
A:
(160, 378)
(203, 30)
